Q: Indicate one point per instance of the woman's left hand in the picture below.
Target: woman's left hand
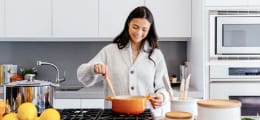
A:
(157, 100)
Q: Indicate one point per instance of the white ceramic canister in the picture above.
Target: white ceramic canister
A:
(219, 109)
(178, 115)
(185, 105)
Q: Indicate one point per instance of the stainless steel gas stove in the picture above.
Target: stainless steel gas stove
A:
(101, 114)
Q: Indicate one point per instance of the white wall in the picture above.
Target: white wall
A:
(196, 47)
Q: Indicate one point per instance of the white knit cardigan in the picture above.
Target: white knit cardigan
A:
(142, 77)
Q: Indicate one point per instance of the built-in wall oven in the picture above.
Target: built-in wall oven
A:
(239, 80)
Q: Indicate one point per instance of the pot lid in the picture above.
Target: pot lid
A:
(178, 115)
(29, 83)
(219, 103)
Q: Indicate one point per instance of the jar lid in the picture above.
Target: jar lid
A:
(219, 103)
(178, 115)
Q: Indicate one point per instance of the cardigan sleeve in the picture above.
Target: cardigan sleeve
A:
(161, 71)
(85, 72)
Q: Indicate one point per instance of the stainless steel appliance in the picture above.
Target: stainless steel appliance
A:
(239, 80)
(235, 35)
(38, 92)
(101, 114)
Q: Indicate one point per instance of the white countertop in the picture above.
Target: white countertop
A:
(85, 92)
(97, 92)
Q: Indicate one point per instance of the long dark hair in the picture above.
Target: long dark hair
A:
(123, 38)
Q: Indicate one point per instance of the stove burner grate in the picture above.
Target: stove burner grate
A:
(101, 114)
(108, 114)
(79, 114)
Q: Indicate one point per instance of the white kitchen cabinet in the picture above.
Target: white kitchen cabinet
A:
(75, 18)
(2, 26)
(172, 17)
(225, 2)
(88, 18)
(52, 18)
(254, 2)
(28, 18)
(92, 103)
(113, 14)
(66, 103)
(233, 3)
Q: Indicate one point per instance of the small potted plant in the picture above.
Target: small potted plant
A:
(28, 73)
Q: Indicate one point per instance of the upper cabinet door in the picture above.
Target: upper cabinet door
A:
(172, 17)
(75, 18)
(113, 14)
(225, 2)
(28, 18)
(2, 26)
(254, 2)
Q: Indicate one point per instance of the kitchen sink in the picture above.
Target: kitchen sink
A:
(68, 88)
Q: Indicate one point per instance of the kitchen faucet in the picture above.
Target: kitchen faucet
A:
(58, 79)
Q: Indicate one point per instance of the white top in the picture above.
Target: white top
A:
(140, 78)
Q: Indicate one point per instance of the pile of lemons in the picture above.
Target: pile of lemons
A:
(28, 111)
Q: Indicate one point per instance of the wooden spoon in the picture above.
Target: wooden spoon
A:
(107, 78)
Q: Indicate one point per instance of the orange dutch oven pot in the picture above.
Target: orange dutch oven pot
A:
(133, 105)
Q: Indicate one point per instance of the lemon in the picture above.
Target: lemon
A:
(50, 114)
(37, 118)
(27, 111)
(10, 116)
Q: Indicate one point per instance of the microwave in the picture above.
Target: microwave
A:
(235, 35)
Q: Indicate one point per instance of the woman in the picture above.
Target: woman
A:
(133, 62)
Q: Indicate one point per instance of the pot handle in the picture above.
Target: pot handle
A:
(108, 98)
(148, 97)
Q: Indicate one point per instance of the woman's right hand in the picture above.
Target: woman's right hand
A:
(101, 69)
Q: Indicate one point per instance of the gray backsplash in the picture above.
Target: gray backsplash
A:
(69, 55)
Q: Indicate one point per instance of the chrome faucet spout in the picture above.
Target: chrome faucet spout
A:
(58, 79)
